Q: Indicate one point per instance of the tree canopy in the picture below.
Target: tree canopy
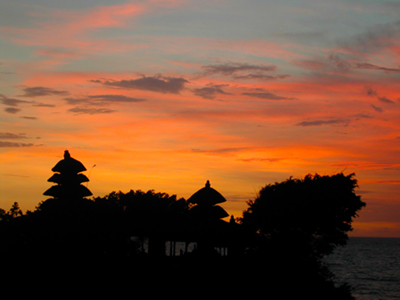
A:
(309, 216)
(287, 229)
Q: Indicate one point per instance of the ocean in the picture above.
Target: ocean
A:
(371, 266)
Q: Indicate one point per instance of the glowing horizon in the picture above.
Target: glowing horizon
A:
(166, 95)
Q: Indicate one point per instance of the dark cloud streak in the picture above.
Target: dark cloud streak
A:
(91, 111)
(374, 39)
(243, 71)
(158, 83)
(271, 160)
(373, 93)
(12, 136)
(43, 105)
(12, 110)
(231, 68)
(14, 145)
(29, 118)
(39, 91)
(219, 151)
(210, 92)
(376, 108)
(11, 101)
(375, 67)
(385, 100)
(261, 76)
(267, 96)
(323, 122)
(102, 100)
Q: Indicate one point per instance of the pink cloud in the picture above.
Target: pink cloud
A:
(97, 17)
(70, 28)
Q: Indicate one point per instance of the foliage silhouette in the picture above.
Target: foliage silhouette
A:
(287, 230)
(82, 228)
(295, 223)
(312, 215)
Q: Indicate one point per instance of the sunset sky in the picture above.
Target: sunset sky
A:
(165, 95)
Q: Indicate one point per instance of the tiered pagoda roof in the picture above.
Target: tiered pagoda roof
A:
(205, 203)
(68, 179)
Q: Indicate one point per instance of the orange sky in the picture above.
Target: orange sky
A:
(166, 95)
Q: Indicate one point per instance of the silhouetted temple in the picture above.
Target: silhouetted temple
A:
(205, 219)
(202, 227)
(68, 178)
(198, 230)
(205, 203)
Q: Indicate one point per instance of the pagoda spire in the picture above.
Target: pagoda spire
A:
(68, 178)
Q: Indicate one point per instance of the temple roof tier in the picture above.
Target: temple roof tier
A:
(206, 196)
(208, 212)
(60, 191)
(65, 179)
(69, 165)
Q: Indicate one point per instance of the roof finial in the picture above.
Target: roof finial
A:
(208, 184)
(66, 154)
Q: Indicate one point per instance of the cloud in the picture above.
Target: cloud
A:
(158, 83)
(261, 76)
(43, 105)
(267, 96)
(371, 92)
(336, 62)
(29, 118)
(374, 39)
(243, 71)
(12, 136)
(362, 116)
(11, 101)
(12, 110)
(210, 92)
(323, 122)
(376, 108)
(375, 67)
(87, 104)
(339, 63)
(231, 68)
(385, 100)
(39, 91)
(219, 151)
(75, 26)
(15, 175)
(13, 144)
(14, 103)
(302, 36)
(91, 111)
(332, 63)
(271, 160)
(103, 100)
(59, 53)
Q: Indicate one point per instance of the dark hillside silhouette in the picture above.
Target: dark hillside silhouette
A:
(275, 248)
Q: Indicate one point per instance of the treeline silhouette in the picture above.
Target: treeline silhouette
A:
(278, 244)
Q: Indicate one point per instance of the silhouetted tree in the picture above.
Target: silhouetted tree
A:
(147, 214)
(2, 214)
(297, 222)
(15, 211)
(309, 216)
